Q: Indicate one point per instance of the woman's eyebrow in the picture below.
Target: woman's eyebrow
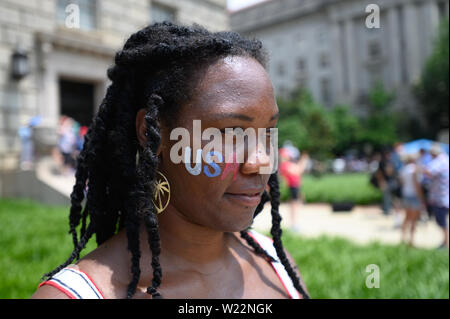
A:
(275, 116)
(222, 116)
(243, 117)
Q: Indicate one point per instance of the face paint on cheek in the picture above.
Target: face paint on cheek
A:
(197, 169)
(230, 166)
(212, 164)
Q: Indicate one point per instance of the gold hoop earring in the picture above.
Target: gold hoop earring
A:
(162, 187)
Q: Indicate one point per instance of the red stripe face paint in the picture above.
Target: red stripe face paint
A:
(230, 166)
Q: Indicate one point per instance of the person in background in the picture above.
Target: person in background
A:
(80, 137)
(80, 133)
(66, 144)
(26, 153)
(412, 196)
(292, 171)
(387, 178)
(396, 158)
(293, 151)
(424, 159)
(339, 165)
(437, 171)
(27, 147)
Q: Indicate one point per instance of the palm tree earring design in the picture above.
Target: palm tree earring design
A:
(162, 190)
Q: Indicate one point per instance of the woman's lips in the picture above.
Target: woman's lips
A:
(244, 199)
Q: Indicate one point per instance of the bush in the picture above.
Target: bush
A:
(329, 188)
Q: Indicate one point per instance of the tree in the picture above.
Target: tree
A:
(346, 129)
(432, 89)
(379, 125)
(306, 124)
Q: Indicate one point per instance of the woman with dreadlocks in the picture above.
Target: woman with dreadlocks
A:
(162, 231)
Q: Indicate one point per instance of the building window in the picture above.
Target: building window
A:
(302, 73)
(324, 60)
(375, 75)
(301, 65)
(300, 41)
(281, 69)
(77, 13)
(443, 10)
(374, 50)
(282, 91)
(160, 13)
(325, 90)
(322, 36)
(302, 82)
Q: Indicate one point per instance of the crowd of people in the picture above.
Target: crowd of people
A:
(415, 184)
(70, 143)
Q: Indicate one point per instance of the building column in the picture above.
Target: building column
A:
(412, 42)
(336, 62)
(394, 47)
(351, 57)
(431, 11)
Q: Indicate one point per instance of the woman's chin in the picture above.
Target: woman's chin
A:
(236, 221)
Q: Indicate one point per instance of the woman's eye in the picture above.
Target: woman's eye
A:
(232, 130)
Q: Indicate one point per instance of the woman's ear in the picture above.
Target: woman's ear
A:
(141, 127)
(141, 130)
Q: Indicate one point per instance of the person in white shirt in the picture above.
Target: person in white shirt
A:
(412, 196)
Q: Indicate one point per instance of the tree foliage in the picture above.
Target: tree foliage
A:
(306, 124)
(379, 124)
(432, 90)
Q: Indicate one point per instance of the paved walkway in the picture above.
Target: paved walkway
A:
(46, 172)
(363, 224)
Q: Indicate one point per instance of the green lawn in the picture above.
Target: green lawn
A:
(332, 268)
(336, 268)
(328, 188)
(34, 239)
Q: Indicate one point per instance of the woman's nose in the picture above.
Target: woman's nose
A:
(256, 159)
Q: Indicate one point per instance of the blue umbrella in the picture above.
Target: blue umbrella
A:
(415, 146)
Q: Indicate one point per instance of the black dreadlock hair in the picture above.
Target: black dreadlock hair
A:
(156, 69)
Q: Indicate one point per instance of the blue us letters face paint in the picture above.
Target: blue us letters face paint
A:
(197, 169)
(214, 165)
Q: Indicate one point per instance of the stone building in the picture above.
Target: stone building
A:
(54, 55)
(326, 46)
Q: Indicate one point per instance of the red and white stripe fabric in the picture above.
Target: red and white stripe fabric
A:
(267, 244)
(74, 283)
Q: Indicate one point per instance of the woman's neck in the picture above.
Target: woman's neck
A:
(189, 243)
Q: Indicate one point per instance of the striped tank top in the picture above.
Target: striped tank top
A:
(76, 284)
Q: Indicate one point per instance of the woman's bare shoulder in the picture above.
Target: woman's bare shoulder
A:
(104, 266)
(49, 292)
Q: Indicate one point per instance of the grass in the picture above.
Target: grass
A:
(336, 268)
(34, 240)
(353, 187)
